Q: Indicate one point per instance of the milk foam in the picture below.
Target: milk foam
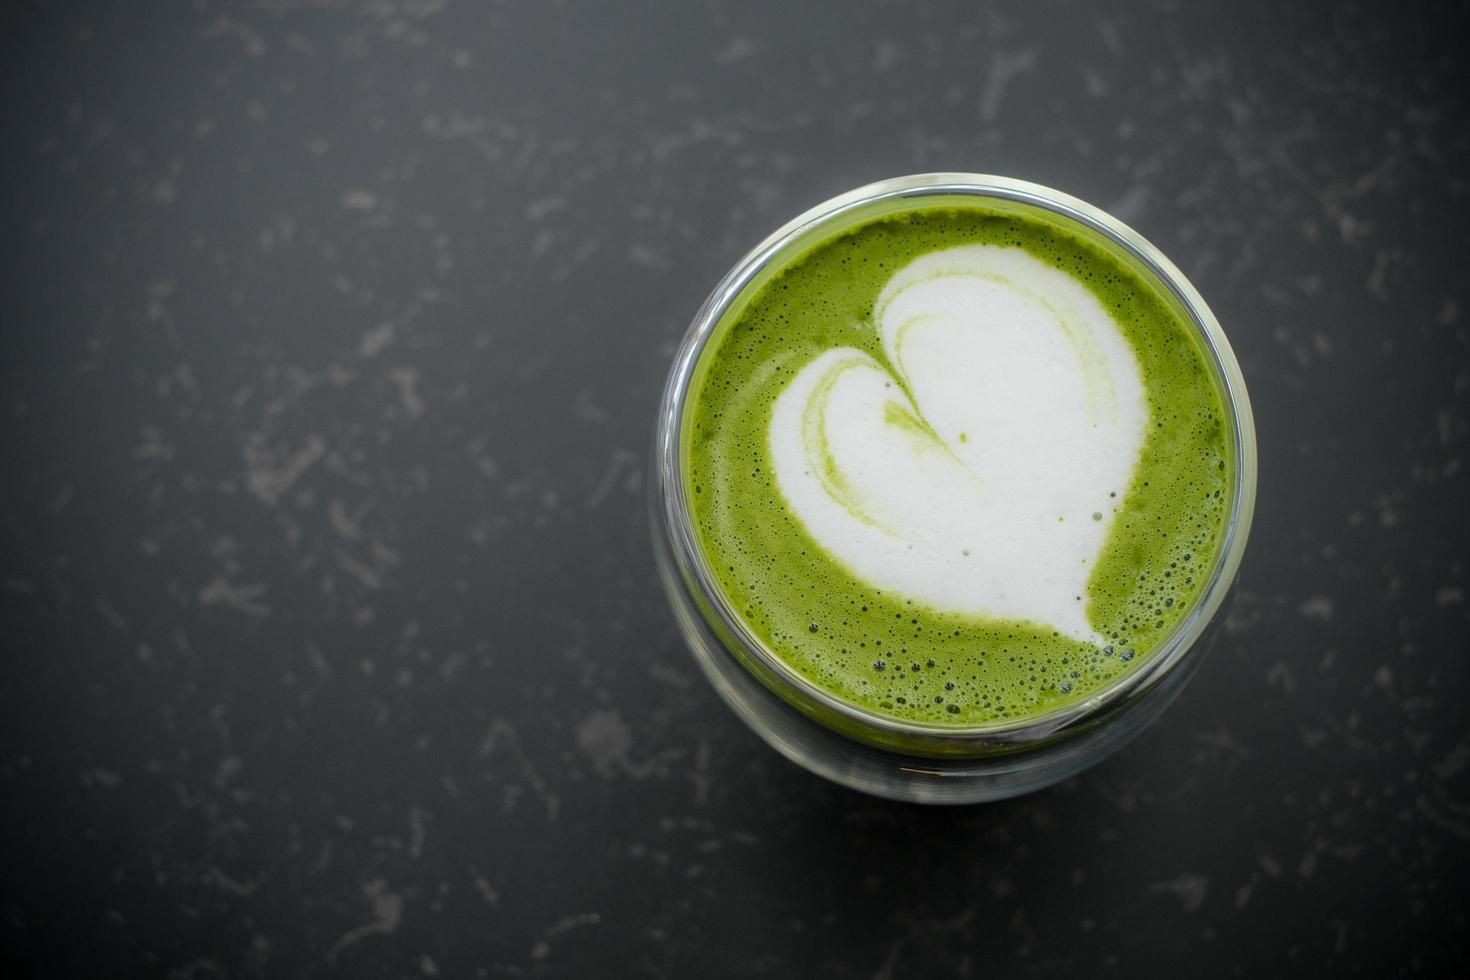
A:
(976, 471)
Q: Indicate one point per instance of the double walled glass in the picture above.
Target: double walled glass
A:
(849, 744)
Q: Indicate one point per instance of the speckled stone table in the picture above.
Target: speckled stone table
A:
(332, 334)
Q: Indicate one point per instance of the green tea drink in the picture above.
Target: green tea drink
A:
(957, 465)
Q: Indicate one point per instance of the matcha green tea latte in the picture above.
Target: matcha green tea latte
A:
(957, 469)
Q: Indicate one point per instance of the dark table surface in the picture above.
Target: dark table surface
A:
(332, 337)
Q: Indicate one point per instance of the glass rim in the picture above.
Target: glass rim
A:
(693, 564)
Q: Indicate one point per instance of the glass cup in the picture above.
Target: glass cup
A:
(851, 745)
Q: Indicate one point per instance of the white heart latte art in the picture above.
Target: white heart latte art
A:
(977, 476)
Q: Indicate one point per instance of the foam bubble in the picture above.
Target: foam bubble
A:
(967, 471)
